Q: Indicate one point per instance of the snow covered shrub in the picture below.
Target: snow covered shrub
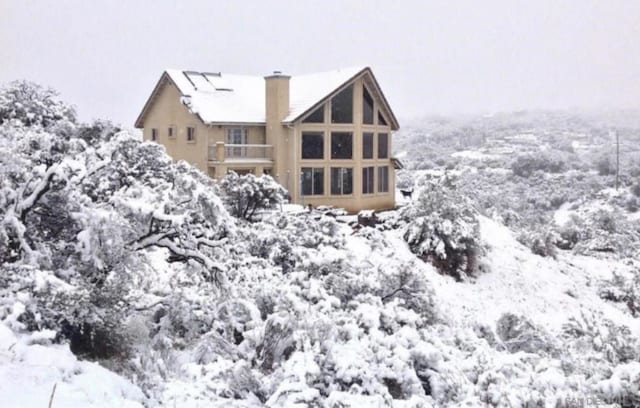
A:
(541, 242)
(605, 166)
(276, 235)
(411, 289)
(97, 131)
(277, 343)
(442, 228)
(32, 105)
(246, 194)
(526, 164)
(519, 334)
(605, 340)
(623, 289)
(405, 179)
(623, 387)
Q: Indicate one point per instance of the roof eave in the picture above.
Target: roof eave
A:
(139, 123)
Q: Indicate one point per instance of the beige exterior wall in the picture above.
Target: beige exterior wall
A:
(166, 110)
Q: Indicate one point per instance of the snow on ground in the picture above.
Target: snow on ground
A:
(30, 368)
(563, 214)
(546, 290)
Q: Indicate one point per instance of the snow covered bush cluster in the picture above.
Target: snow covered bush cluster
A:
(31, 104)
(442, 228)
(526, 164)
(150, 268)
(246, 194)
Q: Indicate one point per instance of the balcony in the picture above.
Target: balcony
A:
(245, 153)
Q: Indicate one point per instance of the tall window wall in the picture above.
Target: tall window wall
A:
(345, 144)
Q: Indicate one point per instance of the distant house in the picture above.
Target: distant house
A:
(325, 137)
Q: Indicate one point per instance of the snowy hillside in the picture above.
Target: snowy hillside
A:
(131, 280)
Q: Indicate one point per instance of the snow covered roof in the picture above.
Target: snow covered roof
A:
(231, 98)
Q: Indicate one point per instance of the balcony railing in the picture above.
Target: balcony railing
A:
(221, 152)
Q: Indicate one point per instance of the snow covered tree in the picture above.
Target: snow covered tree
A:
(31, 104)
(442, 228)
(246, 194)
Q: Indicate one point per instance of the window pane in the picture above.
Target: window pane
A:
(383, 179)
(367, 180)
(367, 107)
(312, 181)
(383, 151)
(367, 145)
(341, 145)
(341, 180)
(312, 145)
(381, 120)
(316, 116)
(342, 106)
(237, 136)
(154, 134)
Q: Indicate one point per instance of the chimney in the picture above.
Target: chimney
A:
(277, 97)
(276, 109)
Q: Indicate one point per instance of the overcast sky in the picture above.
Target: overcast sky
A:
(429, 56)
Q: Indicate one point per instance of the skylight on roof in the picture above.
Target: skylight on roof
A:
(200, 82)
(218, 82)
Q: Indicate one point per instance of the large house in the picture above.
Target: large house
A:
(325, 137)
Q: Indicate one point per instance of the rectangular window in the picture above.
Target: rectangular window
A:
(154, 135)
(312, 181)
(367, 180)
(172, 131)
(191, 134)
(316, 116)
(367, 107)
(383, 179)
(341, 180)
(341, 145)
(342, 106)
(236, 136)
(312, 145)
(383, 145)
(367, 145)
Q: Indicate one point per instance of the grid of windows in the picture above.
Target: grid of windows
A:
(383, 145)
(341, 145)
(367, 180)
(312, 145)
(383, 179)
(342, 106)
(341, 180)
(191, 134)
(312, 181)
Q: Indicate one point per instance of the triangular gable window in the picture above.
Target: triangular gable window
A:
(316, 117)
(381, 120)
